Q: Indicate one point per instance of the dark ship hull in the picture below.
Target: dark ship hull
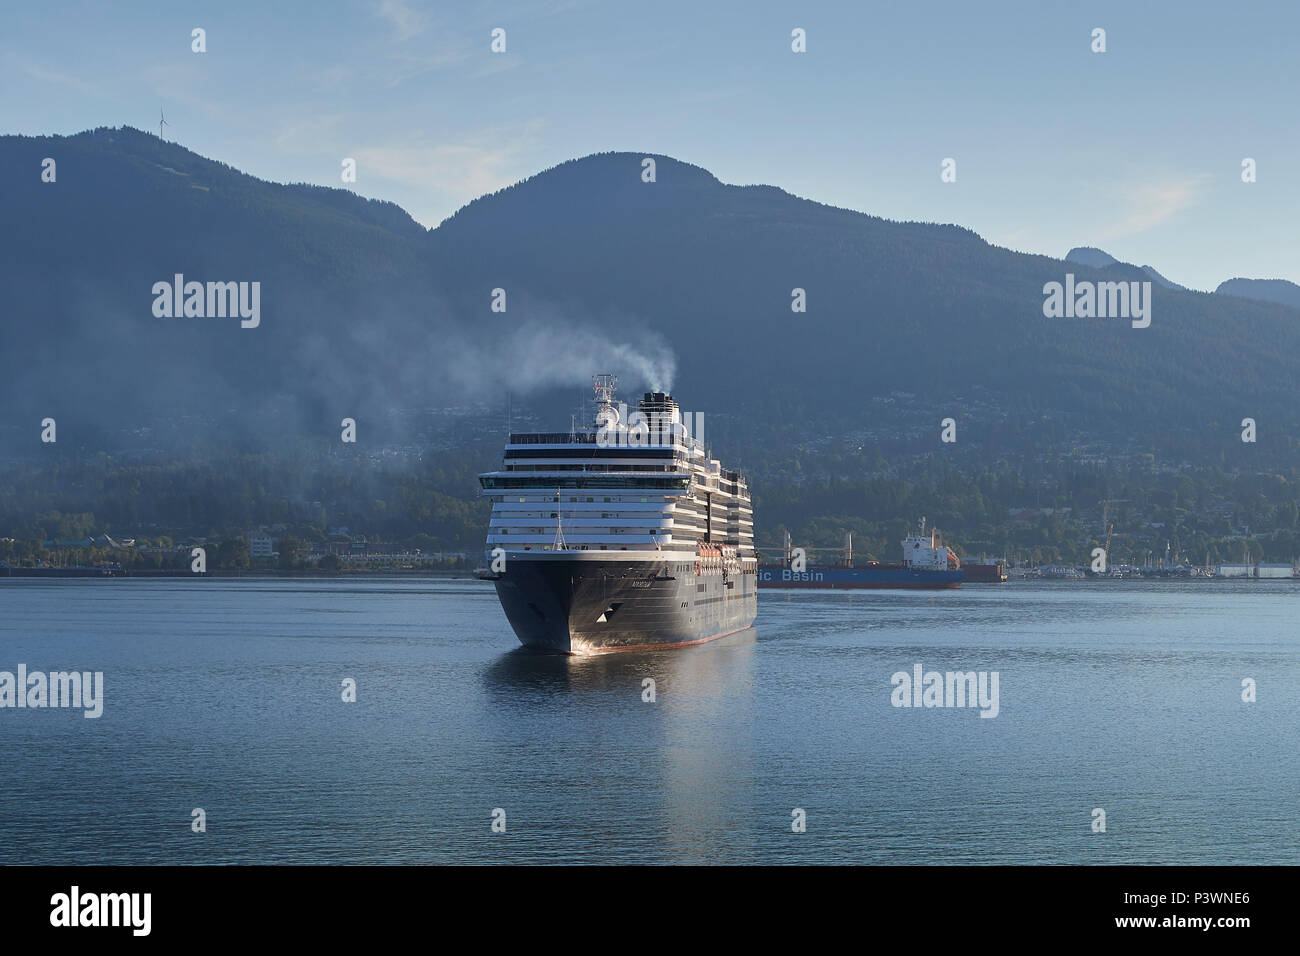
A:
(578, 605)
(994, 573)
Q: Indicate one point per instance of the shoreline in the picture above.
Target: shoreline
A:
(55, 574)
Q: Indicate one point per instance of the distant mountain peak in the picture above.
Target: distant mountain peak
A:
(133, 151)
(1091, 256)
(584, 191)
(1095, 258)
(1281, 291)
(587, 185)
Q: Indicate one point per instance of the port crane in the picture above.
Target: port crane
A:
(1105, 509)
(846, 551)
(1107, 525)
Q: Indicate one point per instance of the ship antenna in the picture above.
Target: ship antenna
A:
(603, 386)
(560, 544)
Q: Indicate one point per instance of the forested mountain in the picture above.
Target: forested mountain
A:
(362, 310)
(684, 282)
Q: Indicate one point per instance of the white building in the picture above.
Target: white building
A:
(1236, 571)
(259, 545)
(1276, 571)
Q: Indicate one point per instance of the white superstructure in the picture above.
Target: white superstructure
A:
(627, 484)
(923, 550)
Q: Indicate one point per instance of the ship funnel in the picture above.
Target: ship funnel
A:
(662, 404)
(661, 414)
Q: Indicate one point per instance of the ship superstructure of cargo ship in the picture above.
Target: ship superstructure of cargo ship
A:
(620, 534)
(927, 563)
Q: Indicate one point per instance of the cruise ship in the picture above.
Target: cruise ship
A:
(620, 534)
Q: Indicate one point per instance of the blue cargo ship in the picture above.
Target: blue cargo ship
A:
(927, 563)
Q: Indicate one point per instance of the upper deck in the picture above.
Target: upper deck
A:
(626, 482)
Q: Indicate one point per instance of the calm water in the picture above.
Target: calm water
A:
(226, 696)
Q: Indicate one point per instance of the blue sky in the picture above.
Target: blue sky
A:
(1137, 150)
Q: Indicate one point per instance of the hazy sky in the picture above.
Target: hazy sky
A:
(1137, 150)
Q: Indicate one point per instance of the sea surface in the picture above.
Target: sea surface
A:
(227, 696)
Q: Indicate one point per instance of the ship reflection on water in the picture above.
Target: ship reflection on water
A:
(685, 760)
(693, 670)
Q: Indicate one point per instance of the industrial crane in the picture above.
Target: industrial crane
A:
(1107, 524)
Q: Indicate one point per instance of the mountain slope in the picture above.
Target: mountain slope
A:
(1100, 259)
(922, 308)
(128, 210)
(363, 311)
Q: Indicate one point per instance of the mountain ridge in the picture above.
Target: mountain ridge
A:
(366, 311)
(1281, 291)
